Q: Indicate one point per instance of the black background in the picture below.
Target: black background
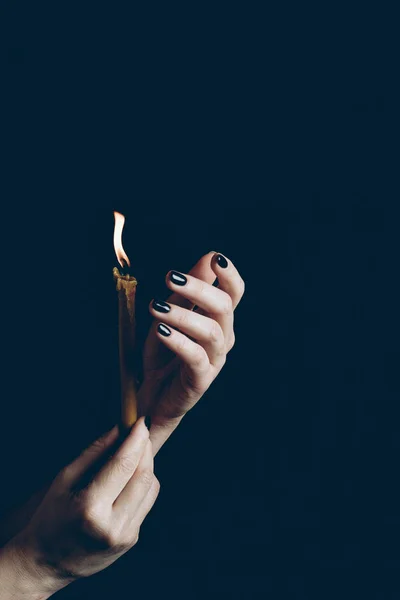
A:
(268, 136)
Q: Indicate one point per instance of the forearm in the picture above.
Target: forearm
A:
(21, 578)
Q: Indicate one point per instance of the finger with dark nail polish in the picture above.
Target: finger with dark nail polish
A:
(161, 306)
(177, 278)
(221, 261)
(164, 330)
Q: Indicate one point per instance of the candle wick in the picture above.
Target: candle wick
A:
(125, 268)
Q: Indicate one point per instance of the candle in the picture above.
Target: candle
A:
(126, 288)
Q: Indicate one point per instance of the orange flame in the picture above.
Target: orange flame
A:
(119, 249)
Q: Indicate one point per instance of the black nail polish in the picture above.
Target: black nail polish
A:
(177, 278)
(161, 306)
(147, 421)
(221, 260)
(164, 330)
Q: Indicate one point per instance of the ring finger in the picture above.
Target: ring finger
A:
(215, 303)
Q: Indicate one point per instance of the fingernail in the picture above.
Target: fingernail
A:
(161, 306)
(164, 330)
(177, 278)
(147, 421)
(222, 262)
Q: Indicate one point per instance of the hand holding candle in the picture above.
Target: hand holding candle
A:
(186, 348)
(82, 525)
(187, 345)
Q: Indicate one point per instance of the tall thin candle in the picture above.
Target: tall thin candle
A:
(126, 288)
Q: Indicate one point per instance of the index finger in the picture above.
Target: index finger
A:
(115, 474)
(201, 270)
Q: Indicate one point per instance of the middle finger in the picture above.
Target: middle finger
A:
(216, 303)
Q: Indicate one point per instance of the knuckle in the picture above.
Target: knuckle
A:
(91, 515)
(195, 384)
(195, 389)
(199, 356)
(231, 341)
(222, 361)
(126, 464)
(113, 539)
(156, 487)
(152, 494)
(182, 344)
(146, 477)
(241, 286)
(202, 287)
(135, 538)
(105, 536)
(215, 333)
(98, 445)
(96, 526)
(182, 318)
(226, 305)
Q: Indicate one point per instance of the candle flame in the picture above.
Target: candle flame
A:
(118, 247)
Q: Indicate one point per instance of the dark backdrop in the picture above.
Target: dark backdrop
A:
(270, 138)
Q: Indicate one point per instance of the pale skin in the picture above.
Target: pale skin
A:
(81, 525)
(178, 369)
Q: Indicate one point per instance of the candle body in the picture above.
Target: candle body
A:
(126, 288)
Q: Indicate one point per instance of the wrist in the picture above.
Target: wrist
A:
(22, 577)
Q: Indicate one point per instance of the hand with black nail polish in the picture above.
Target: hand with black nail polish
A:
(189, 341)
